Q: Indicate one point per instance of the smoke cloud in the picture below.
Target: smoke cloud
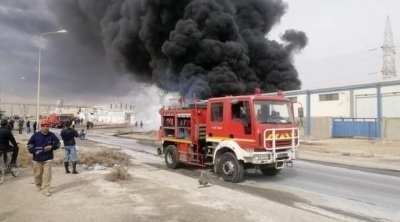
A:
(194, 47)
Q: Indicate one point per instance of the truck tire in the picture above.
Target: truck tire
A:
(271, 171)
(171, 159)
(230, 168)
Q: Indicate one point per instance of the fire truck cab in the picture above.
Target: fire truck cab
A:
(231, 134)
(59, 120)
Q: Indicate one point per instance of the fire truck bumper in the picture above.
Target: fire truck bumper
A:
(270, 157)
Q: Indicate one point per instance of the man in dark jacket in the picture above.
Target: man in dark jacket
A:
(28, 126)
(41, 145)
(6, 137)
(68, 136)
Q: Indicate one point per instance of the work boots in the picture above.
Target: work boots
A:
(74, 168)
(66, 167)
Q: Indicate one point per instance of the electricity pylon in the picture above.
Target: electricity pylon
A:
(389, 64)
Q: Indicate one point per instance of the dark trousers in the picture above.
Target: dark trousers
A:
(14, 156)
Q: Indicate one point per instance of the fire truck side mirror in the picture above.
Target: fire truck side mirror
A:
(300, 112)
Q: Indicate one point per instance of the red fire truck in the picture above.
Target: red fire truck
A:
(59, 120)
(231, 134)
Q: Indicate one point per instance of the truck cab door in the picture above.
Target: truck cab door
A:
(215, 120)
(240, 123)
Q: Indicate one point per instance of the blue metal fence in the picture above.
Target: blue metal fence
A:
(355, 127)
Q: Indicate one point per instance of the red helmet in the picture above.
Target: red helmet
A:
(44, 122)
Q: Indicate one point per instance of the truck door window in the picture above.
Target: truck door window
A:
(216, 112)
(236, 110)
(240, 112)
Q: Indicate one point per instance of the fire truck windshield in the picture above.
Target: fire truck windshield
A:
(273, 112)
(64, 118)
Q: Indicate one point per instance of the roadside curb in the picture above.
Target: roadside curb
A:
(364, 162)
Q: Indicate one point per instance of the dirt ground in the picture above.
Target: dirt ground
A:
(151, 194)
(367, 153)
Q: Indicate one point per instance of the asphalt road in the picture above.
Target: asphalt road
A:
(334, 191)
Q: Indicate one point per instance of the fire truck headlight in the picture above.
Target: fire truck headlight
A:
(259, 158)
(264, 156)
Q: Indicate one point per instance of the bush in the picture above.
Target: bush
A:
(25, 158)
(105, 158)
(118, 173)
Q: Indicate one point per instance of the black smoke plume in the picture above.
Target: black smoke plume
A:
(203, 47)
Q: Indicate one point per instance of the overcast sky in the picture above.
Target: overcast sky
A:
(73, 66)
(344, 40)
(341, 34)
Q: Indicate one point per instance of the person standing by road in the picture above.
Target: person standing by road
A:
(6, 137)
(11, 124)
(28, 126)
(41, 145)
(68, 136)
(34, 126)
(20, 125)
(82, 134)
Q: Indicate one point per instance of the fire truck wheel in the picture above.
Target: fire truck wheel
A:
(270, 171)
(171, 159)
(230, 168)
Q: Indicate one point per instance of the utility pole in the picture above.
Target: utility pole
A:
(1, 112)
(389, 64)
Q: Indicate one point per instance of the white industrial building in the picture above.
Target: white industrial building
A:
(347, 110)
(357, 103)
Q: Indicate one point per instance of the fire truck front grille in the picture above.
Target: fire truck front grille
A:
(279, 143)
(281, 138)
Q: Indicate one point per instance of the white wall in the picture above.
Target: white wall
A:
(366, 102)
(363, 103)
(110, 116)
(335, 108)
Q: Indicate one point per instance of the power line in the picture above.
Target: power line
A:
(340, 64)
